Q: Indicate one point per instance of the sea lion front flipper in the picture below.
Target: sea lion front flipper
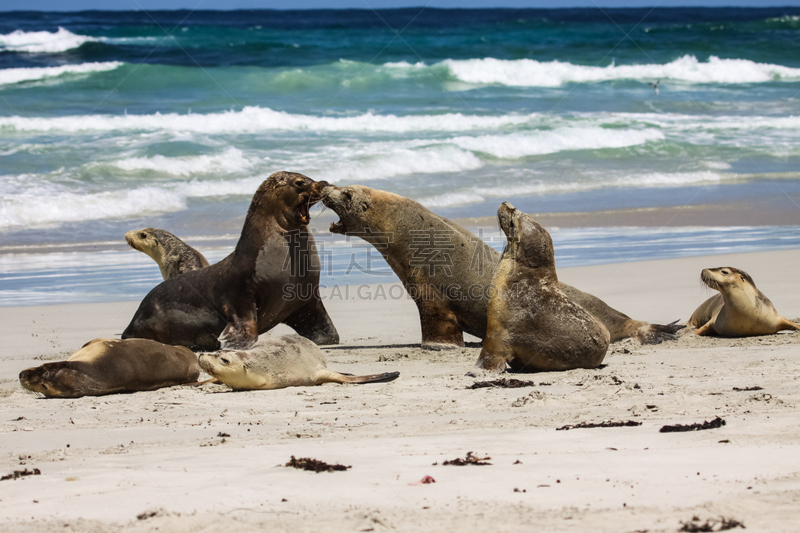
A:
(242, 330)
(313, 322)
(439, 325)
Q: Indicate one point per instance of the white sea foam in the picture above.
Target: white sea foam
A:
(258, 119)
(516, 145)
(230, 161)
(586, 183)
(17, 75)
(42, 203)
(32, 209)
(42, 41)
(452, 199)
(532, 73)
(399, 161)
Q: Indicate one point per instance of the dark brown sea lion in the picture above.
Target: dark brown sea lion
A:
(229, 303)
(447, 270)
(532, 324)
(108, 366)
(173, 256)
(739, 310)
(278, 362)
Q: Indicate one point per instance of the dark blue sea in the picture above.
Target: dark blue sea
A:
(111, 121)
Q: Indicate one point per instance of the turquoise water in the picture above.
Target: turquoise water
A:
(111, 121)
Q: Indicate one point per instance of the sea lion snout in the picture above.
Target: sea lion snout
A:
(505, 216)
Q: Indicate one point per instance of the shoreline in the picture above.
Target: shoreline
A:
(185, 458)
(757, 213)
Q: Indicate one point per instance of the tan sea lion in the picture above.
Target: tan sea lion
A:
(532, 324)
(271, 277)
(108, 366)
(739, 310)
(447, 270)
(172, 255)
(278, 362)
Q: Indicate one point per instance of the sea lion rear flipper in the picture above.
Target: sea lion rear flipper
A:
(705, 329)
(658, 333)
(372, 378)
(375, 378)
(313, 322)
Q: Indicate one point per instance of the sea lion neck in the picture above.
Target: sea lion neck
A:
(255, 232)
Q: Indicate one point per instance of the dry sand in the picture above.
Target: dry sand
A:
(207, 459)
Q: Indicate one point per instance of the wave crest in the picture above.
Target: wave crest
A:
(17, 75)
(532, 73)
(42, 41)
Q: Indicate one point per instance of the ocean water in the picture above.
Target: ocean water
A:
(111, 121)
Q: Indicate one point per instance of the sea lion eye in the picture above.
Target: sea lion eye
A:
(224, 361)
(299, 183)
(347, 195)
(725, 272)
(143, 235)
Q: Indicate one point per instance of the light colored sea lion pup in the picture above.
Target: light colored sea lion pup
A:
(172, 255)
(446, 270)
(739, 310)
(278, 362)
(532, 324)
(108, 366)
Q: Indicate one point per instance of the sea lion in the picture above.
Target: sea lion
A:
(271, 277)
(172, 255)
(532, 324)
(447, 270)
(278, 362)
(739, 310)
(108, 366)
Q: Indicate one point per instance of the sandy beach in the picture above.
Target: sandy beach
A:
(207, 459)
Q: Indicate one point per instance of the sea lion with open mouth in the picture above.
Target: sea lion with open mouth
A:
(227, 305)
(447, 270)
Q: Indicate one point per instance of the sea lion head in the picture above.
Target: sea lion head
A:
(54, 380)
(722, 279)
(528, 242)
(146, 240)
(288, 196)
(353, 204)
(230, 367)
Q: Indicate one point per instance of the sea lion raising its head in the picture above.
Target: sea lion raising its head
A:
(271, 277)
(278, 362)
(108, 366)
(532, 324)
(739, 310)
(172, 255)
(447, 270)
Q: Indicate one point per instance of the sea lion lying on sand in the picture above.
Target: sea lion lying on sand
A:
(447, 270)
(271, 277)
(173, 256)
(532, 324)
(108, 366)
(278, 362)
(739, 310)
